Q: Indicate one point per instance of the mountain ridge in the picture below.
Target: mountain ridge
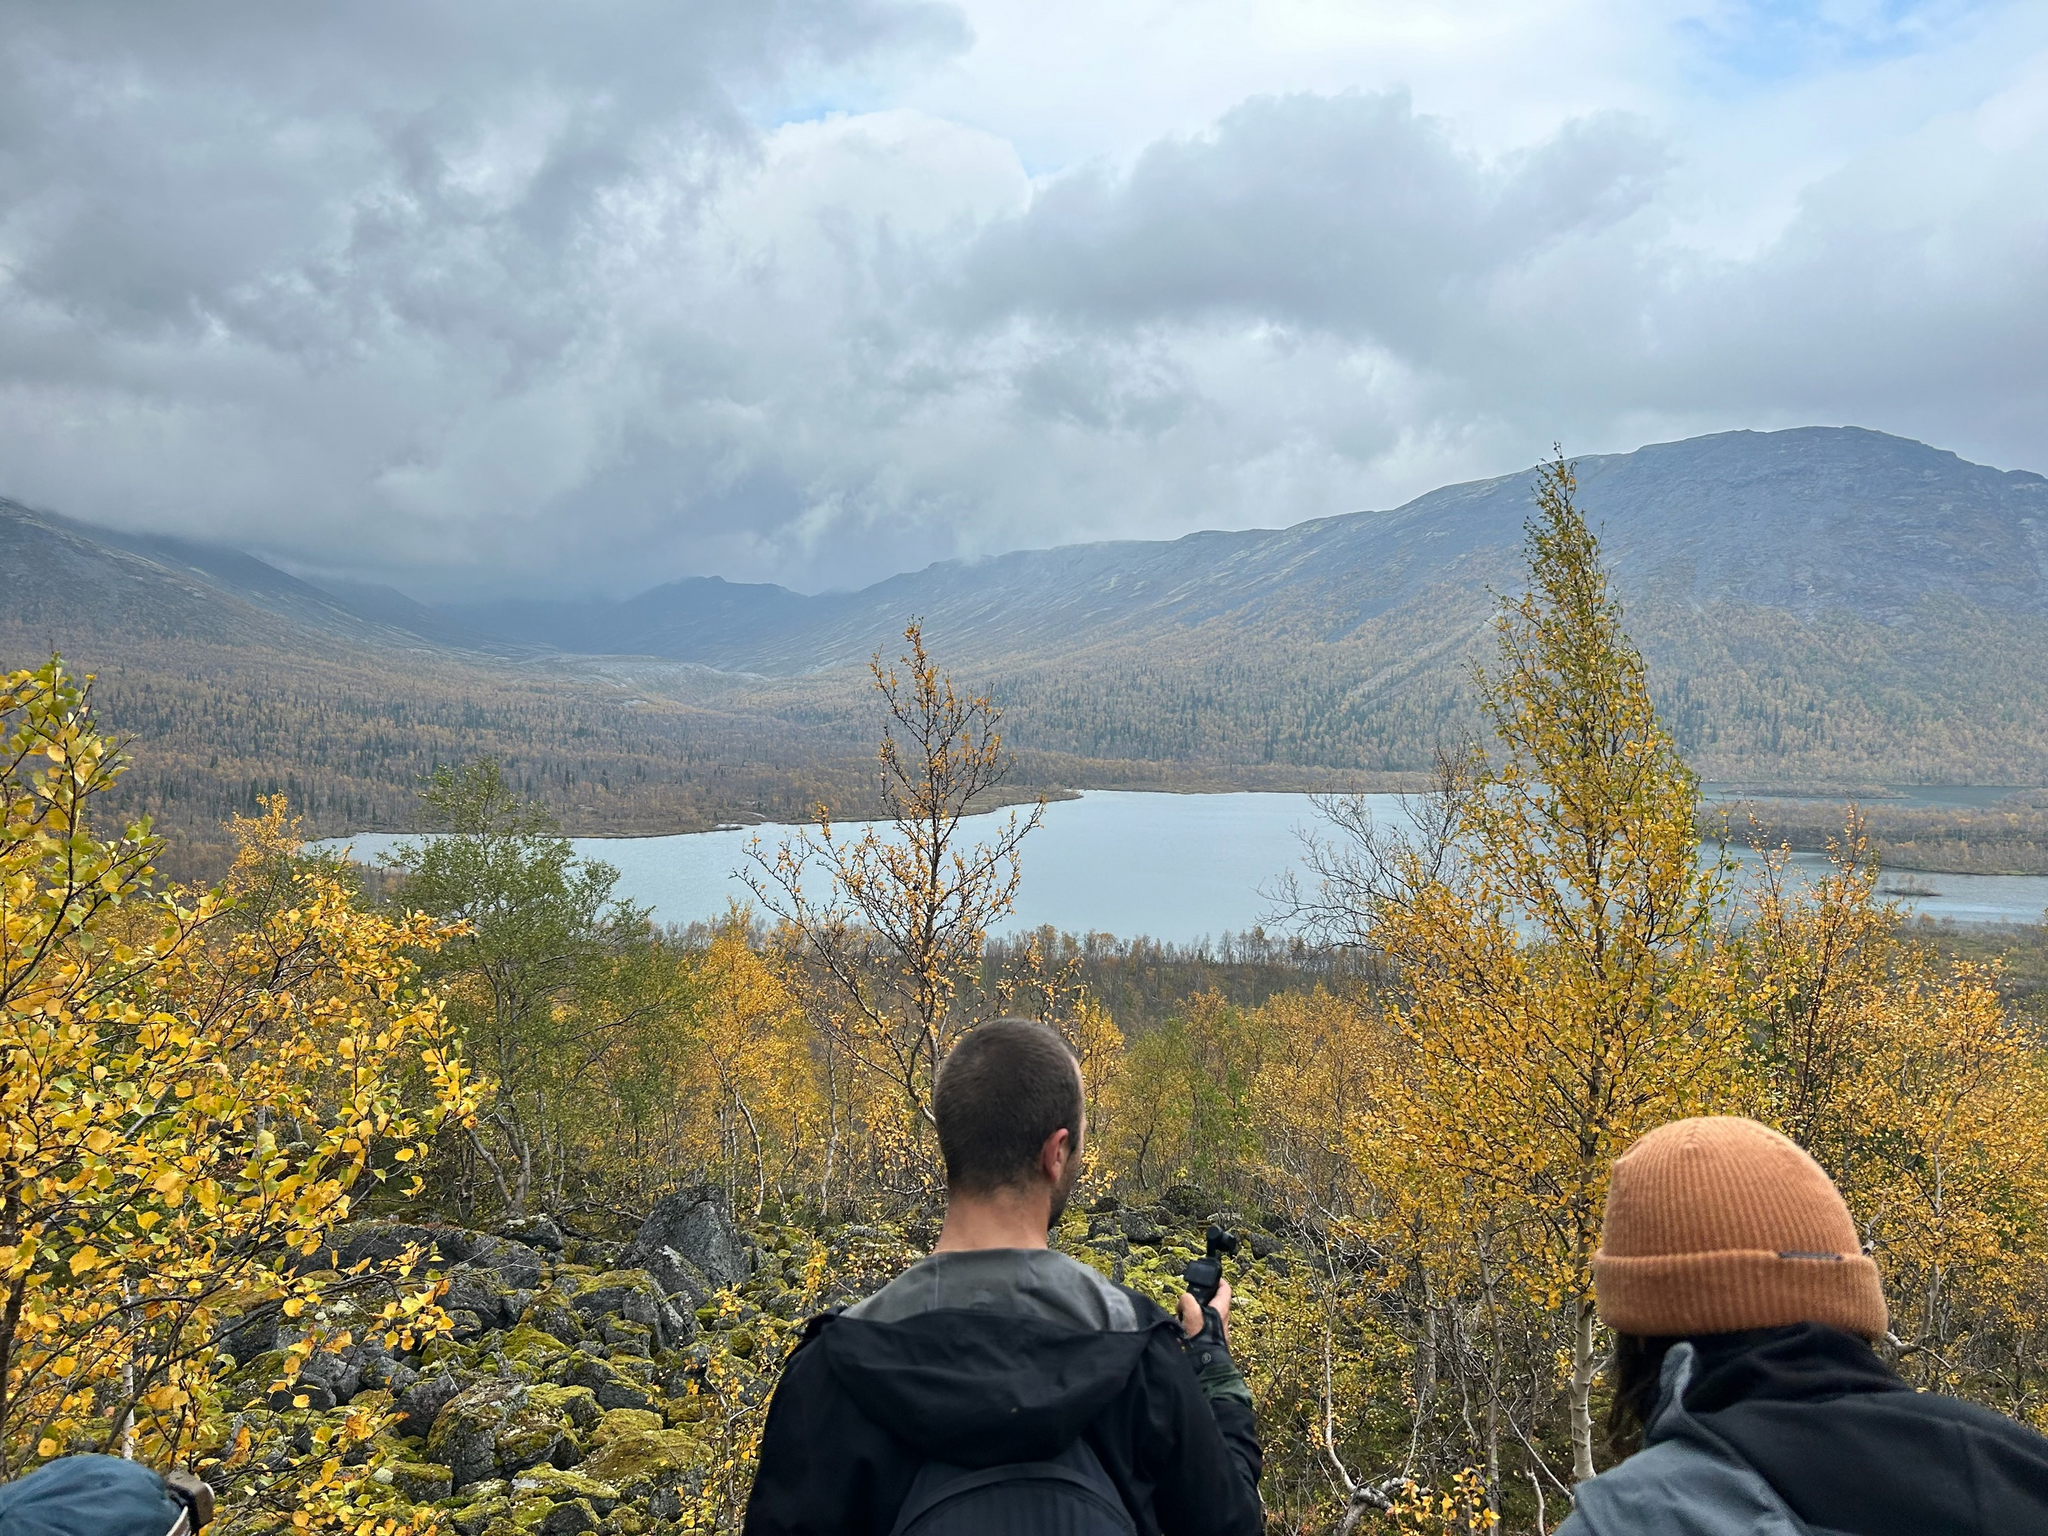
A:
(1116, 587)
(1818, 606)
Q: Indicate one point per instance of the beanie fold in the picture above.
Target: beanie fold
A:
(1672, 1295)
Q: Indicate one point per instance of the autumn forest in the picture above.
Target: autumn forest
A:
(338, 1184)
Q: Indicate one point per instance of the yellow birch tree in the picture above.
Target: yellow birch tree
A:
(1549, 947)
(194, 1094)
(896, 940)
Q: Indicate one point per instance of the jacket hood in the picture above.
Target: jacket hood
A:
(974, 1387)
(1852, 1448)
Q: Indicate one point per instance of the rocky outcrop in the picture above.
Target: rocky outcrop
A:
(691, 1245)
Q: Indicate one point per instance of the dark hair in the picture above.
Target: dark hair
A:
(1007, 1085)
(1634, 1374)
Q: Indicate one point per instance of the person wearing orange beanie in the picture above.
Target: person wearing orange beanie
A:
(1745, 1311)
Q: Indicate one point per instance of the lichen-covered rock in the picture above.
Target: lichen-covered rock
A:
(562, 1485)
(338, 1375)
(533, 1435)
(611, 1387)
(534, 1231)
(697, 1225)
(594, 1252)
(496, 1427)
(481, 1291)
(568, 1519)
(677, 1276)
(626, 1338)
(421, 1403)
(626, 1293)
(623, 1421)
(465, 1433)
(579, 1405)
(477, 1518)
(1140, 1228)
(551, 1313)
(647, 1466)
(631, 1295)
(530, 1345)
(517, 1266)
(418, 1482)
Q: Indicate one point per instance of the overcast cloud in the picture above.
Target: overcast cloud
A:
(475, 294)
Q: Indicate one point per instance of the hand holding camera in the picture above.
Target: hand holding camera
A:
(1206, 1305)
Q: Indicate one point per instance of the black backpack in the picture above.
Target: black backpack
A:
(1070, 1495)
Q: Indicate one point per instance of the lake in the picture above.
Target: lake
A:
(1176, 867)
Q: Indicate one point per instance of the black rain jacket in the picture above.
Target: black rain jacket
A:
(862, 1405)
(1804, 1430)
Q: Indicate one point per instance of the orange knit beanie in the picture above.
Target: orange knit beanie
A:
(1720, 1224)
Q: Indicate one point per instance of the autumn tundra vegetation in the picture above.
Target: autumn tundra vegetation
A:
(459, 1196)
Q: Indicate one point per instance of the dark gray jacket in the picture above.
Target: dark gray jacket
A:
(1803, 1431)
(1005, 1355)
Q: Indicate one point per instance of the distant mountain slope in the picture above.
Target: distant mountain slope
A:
(233, 680)
(60, 571)
(1826, 605)
(1807, 521)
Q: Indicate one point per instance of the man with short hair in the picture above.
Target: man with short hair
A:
(997, 1385)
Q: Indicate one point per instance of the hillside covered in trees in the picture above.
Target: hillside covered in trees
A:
(475, 1203)
(1828, 607)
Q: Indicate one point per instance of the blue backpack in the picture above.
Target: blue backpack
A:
(94, 1496)
(1070, 1495)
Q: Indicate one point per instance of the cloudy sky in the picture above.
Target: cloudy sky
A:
(506, 295)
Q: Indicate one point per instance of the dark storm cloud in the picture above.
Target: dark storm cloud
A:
(555, 296)
(293, 273)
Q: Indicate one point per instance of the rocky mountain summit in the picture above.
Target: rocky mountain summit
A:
(592, 1385)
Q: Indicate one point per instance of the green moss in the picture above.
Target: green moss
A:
(560, 1486)
(418, 1482)
(638, 1461)
(576, 1404)
(621, 1421)
(438, 1351)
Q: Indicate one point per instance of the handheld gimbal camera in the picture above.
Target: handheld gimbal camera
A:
(1205, 1274)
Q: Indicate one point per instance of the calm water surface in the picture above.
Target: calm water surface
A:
(1176, 867)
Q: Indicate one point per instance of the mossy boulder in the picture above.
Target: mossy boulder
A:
(550, 1313)
(624, 1421)
(562, 1486)
(648, 1466)
(531, 1345)
(579, 1405)
(418, 1482)
(535, 1231)
(480, 1291)
(497, 1427)
(626, 1338)
(569, 1518)
(611, 1386)
(629, 1295)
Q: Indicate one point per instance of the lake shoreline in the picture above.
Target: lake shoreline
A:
(1178, 868)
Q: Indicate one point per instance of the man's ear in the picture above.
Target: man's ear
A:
(1054, 1156)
